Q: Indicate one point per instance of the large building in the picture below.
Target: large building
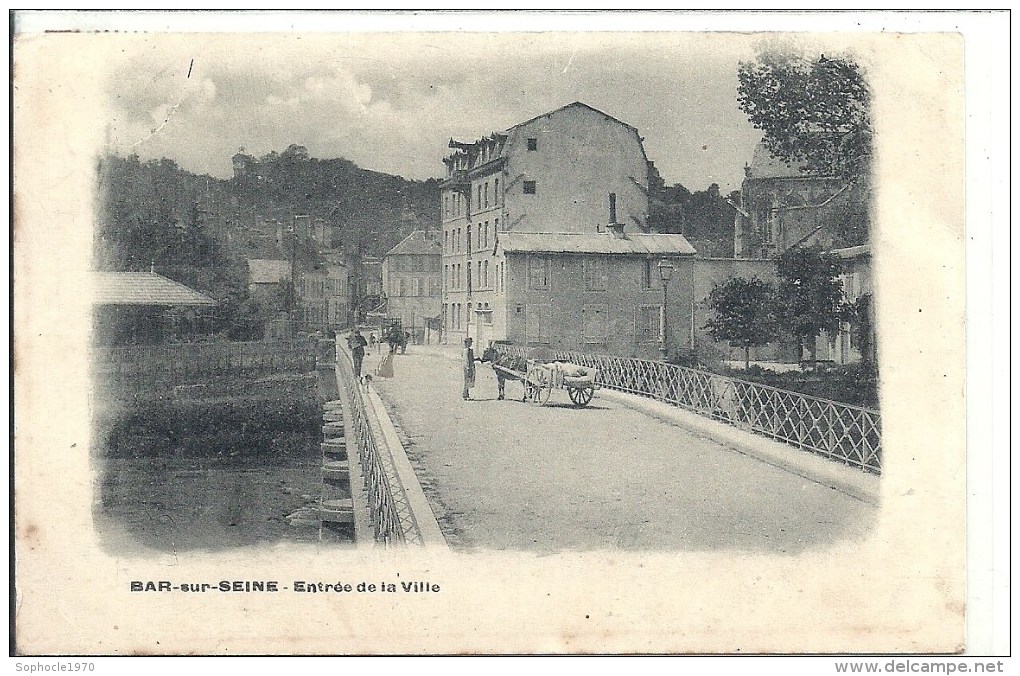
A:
(552, 215)
(412, 283)
(782, 207)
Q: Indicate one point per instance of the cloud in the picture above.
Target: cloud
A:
(390, 102)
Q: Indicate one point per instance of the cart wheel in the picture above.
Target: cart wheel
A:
(581, 396)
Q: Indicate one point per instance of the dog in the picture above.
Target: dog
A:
(365, 381)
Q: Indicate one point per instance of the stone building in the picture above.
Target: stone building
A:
(412, 282)
(573, 170)
(323, 297)
(594, 292)
(782, 207)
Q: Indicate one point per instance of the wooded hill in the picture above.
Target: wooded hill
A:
(156, 212)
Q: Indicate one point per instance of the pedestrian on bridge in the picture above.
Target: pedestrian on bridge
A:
(357, 344)
(468, 362)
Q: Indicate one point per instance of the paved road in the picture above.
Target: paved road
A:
(513, 475)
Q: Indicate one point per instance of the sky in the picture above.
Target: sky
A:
(390, 102)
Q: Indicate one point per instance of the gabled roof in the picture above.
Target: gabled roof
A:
(268, 270)
(595, 243)
(575, 104)
(143, 288)
(416, 244)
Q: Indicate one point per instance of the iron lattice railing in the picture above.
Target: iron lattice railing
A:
(390, 511)
(848, 434)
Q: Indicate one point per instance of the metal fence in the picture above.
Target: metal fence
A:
(848, 434)
(392, 517)
(190, 362)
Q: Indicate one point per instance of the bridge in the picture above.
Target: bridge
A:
(687, 468)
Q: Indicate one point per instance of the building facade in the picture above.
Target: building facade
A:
(412, 277)
(323, 297)
(595, 292)
(572, 170)
(782, 207)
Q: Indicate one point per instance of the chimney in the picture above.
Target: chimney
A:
(616, 229)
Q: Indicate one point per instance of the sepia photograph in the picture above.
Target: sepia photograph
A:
(447, 337)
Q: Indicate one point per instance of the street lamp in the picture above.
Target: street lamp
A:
(665, 274)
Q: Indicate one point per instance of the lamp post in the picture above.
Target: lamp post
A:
(665, 274)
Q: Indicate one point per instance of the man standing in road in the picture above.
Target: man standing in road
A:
(357, 343)
(469, 368)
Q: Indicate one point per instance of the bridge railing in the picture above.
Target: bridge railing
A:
(392, 518)
(842, 432)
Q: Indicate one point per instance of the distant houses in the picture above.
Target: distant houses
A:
(412, 284)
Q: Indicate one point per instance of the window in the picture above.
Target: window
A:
(486, 195)
(495, 225)
(532, 144)
(538, 272)
(480, 235)
(469, 277)
(479, 197)
(446, 275)
(530, 188)
(416, 286)
(594, 323)
(469, 238)
(495, 191)
(446, 205)
(403, 288)
(648, 323)
(595, 274)
(478, 276)
(467, 319)
(485, 244)
(536, 323)
(485, 274)
(647, 274)
(446, 241)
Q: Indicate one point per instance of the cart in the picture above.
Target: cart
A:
(542, 377)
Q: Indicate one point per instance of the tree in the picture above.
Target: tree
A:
(815, 114)
(745, 314)
(810, 294)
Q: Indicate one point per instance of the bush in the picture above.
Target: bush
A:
(241, 427)
(854, 384)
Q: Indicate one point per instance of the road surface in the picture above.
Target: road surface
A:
(508, 475)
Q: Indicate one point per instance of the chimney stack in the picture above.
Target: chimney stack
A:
(616, 229)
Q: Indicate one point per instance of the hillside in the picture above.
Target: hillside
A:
(156, 212)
